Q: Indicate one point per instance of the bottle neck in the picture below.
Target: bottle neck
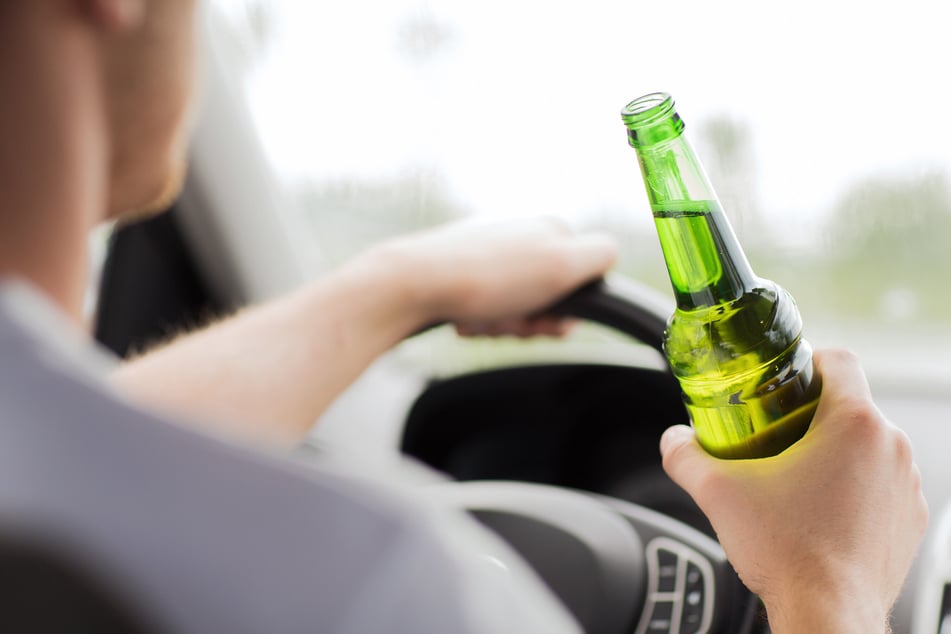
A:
(705, 261)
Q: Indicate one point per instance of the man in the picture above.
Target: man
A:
(204, 536)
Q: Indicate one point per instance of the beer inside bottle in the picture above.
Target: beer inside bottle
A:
(735, 340)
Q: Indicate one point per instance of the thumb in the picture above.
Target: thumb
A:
(684, 459)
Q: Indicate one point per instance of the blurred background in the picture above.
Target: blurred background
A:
(824, 127)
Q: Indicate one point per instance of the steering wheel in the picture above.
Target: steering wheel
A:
(533, 478)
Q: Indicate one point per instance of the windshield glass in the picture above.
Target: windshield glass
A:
(823, 127)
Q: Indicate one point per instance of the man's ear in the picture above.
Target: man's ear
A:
(118, 16)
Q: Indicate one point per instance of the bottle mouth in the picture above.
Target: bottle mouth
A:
(647, 109)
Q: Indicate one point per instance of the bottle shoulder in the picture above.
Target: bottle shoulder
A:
(764, 322)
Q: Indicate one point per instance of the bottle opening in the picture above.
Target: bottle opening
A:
(647, 109)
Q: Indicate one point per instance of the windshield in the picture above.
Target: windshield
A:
(824, 128)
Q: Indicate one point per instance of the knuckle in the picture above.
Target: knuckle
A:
(903, 447)
(864, 416)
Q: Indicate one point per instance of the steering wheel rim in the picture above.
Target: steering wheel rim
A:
(622, 304)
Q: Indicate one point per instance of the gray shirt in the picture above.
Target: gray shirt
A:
(209, 537)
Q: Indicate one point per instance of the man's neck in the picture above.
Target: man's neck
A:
(54, 261)
(52, 161)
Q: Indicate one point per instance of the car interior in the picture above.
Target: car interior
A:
(552, 445)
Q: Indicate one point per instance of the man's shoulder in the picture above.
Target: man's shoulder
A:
(215, 537)
(190, 521)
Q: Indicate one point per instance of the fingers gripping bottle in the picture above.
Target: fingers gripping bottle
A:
(735, 340)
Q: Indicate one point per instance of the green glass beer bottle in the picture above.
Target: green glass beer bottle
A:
(735, 340)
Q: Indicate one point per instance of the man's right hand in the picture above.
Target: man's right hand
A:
(826, 531)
